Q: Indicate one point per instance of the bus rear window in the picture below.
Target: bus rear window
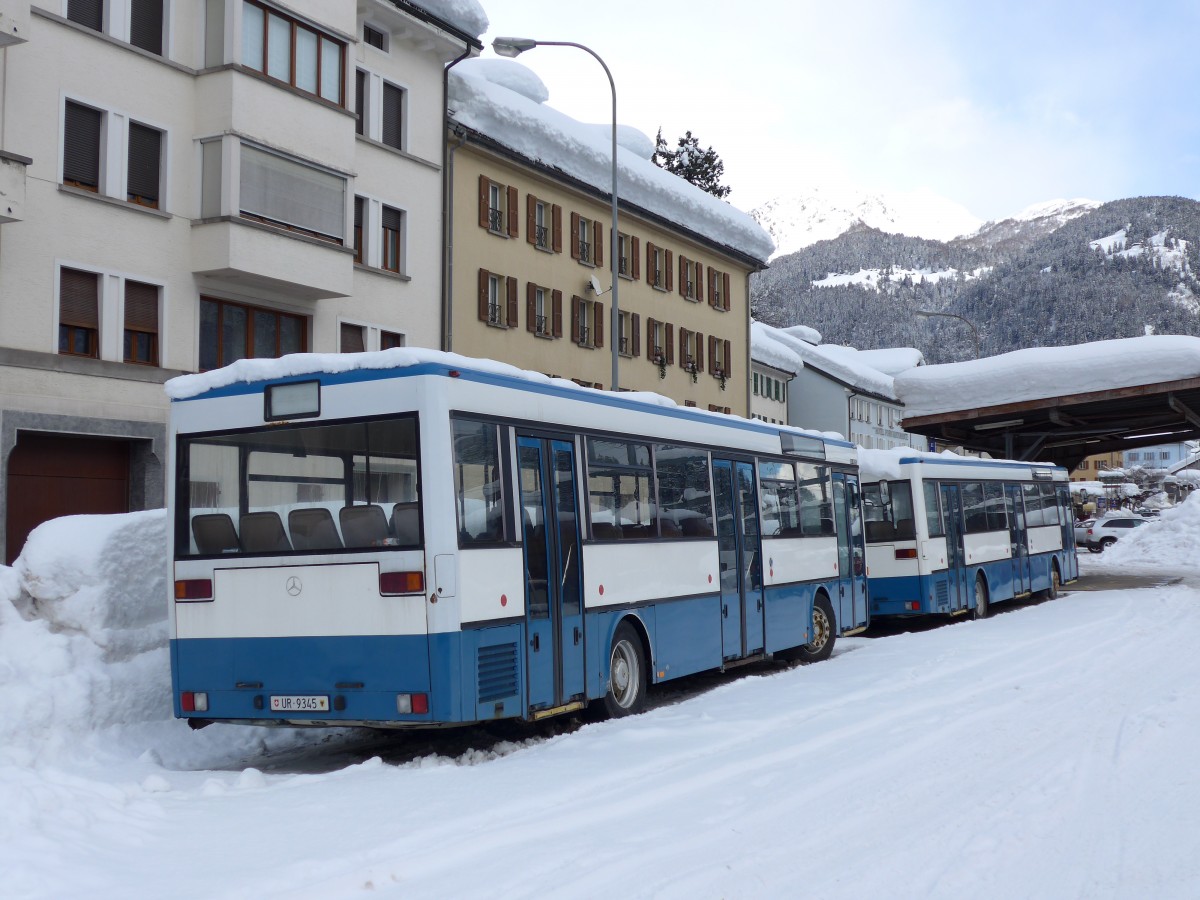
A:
(305, 489)
(888, 508)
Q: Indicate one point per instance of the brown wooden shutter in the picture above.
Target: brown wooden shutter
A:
(79, 298)
(670, 269)
(635, 338)
(81, 145)
(597, 244)
(513, 319)
(352, 338)
(727, 364)
(146, 25)
(712, 286)
(725, 291)
(598, 324)
(712, 354)
(635, 250)
(683, 278)
(392, 130)
(556, 236)
(700, 352)
(556, 301)
(575, 320)
(514, 213)
(530, 306)
(683, 333)
(649, 262)
(484, 216)
(141, 307)
(573, 237)
(531, 219)
(650, 323)
(483, 295)
(669, 349)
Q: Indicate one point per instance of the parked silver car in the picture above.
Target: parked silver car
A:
(1100, 534)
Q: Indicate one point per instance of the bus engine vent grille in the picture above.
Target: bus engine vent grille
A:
(497, 672)
(943, 593)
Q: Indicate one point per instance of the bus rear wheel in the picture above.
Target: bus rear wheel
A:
(981, 598)
(824, 634)
(626, 674)
(1055, 582)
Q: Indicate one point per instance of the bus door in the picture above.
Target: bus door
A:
(1066, 518)
(553, 588)
(852, 553)
(1019, 538)
(961, 593)
(739, 545)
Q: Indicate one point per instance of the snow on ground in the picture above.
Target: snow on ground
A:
(1170, 540)
(1046, 752)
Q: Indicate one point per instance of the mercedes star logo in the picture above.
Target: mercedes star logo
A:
(294, 586)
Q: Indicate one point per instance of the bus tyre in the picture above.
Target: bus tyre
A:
(1055, 582)
(626, 674)
(824, 633)
(981, 598)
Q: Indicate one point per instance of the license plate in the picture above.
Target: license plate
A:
(299, 704)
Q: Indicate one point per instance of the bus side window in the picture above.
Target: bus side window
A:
(479, 488)
(933, 512)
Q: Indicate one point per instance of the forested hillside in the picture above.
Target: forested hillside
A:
(1121, 270)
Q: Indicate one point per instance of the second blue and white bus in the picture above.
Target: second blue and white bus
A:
(412, 539)
(953, 535)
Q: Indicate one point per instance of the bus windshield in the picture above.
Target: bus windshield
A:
(299, 489)
(888, 508)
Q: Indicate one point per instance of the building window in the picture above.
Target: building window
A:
(587, 240)
(82, 130)
(543, 311)
(497, 299)
(630, 336)
(660, 344)
(691, 276)
(390, 339)
(756, 377)
(497, 207)
(289, 194)
(141, 323)
(691, 356)
(718, 289)
(146, 25)
(288, 51)
(360, 102)
(587, 323)
(78, 313)
(88, 13)
(233, 331)
(543, 224)
(373, 37)
(360, 218)
(391, 241)
(658, 267)
(718, 361)
(352, 338)
(145, 165)
(392, 124)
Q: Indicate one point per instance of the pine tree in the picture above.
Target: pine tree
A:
(701, 167)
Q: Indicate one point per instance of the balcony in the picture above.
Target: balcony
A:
(265, 260)
(12, 186)
(14, 22)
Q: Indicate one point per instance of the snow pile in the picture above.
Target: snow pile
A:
(482, 98)
(1039, 373)
(888, 360)
(465, 15)
(1172, 541)
(788, 353)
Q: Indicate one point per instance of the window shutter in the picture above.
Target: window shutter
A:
(145, 160)
(597, 244)
(393, 116)
(146, 25)
(635, 250)
(89, 13)
(725, 291)
(352, 338)
(649, 262)
(141, 307)
(575, 319)
(531, 219)
(556, 302)
(483, 295)
(514, 212)
(670, 269)
(360, 96)
(81, 145)
(574, 237)
(530, 306)
(683, 334)
(726, 363)
(597, 324)
(513, 319)
(712, 286)
(650, 324)
(78, 298)
(683, 276)
(635, 337)
(700, 352)
(556, 229)
(393, 219)
(669, 349)
(712, 354)
(484, 218)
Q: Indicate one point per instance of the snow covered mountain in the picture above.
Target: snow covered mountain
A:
(1029, 224)
(823, 213)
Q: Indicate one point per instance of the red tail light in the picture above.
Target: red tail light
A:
(194, 589)
(906, 553)
(392, 583)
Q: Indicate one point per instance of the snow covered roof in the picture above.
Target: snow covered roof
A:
(1038, 373)
(777, 347)
(888, 360)
(504, 101)
(465, 15)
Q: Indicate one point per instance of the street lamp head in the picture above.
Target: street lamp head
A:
(512, 46)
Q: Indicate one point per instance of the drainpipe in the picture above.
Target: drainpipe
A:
(448, 208)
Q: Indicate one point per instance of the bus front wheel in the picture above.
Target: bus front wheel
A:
(824, 634)
(626, 674)
(981, 598)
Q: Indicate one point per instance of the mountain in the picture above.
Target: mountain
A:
(1056, 274)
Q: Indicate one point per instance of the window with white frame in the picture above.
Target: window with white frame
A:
(379, 109)
(141, 323)
(142, 23)
(357, 337)
(391, 242)
(78, 312)
(587, 323)
(497, 299)
(87, 145)
(587, 240)
(629, 327)
(498, 207)
(375, 37)
(290, 51)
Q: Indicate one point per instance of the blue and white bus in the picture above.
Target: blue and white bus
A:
(952, 535)
(409, 538)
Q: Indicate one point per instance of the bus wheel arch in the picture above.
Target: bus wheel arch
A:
(628, 670)
(983, 596)
(1051, 592)
(824, 633)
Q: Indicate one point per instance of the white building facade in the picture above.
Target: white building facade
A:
(200, 181)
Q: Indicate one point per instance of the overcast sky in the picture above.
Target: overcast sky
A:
(995, 105)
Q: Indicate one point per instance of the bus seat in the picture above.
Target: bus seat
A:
(606, 531)
(313, 529)
(364, 526)
(905, 530)
(696, 527)
(214, 533)
(669, 528)
(262, 532)
(406, 523)
(878, 530)
(637, 531)
(827, 526)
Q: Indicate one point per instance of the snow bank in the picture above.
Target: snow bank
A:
(1172, 541)
(1039, 373)
(789, 353)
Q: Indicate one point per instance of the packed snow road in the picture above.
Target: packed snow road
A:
(1048, 752)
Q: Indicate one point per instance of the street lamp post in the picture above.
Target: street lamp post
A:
(512, 47)
(974, 331)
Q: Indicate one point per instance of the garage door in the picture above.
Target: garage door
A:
(51, 475)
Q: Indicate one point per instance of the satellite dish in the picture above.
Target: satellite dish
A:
(594, 285)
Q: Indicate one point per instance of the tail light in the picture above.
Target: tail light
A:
(393, 583)
(906, 553)
(194, 701)
(194, 589)
(412, 703)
